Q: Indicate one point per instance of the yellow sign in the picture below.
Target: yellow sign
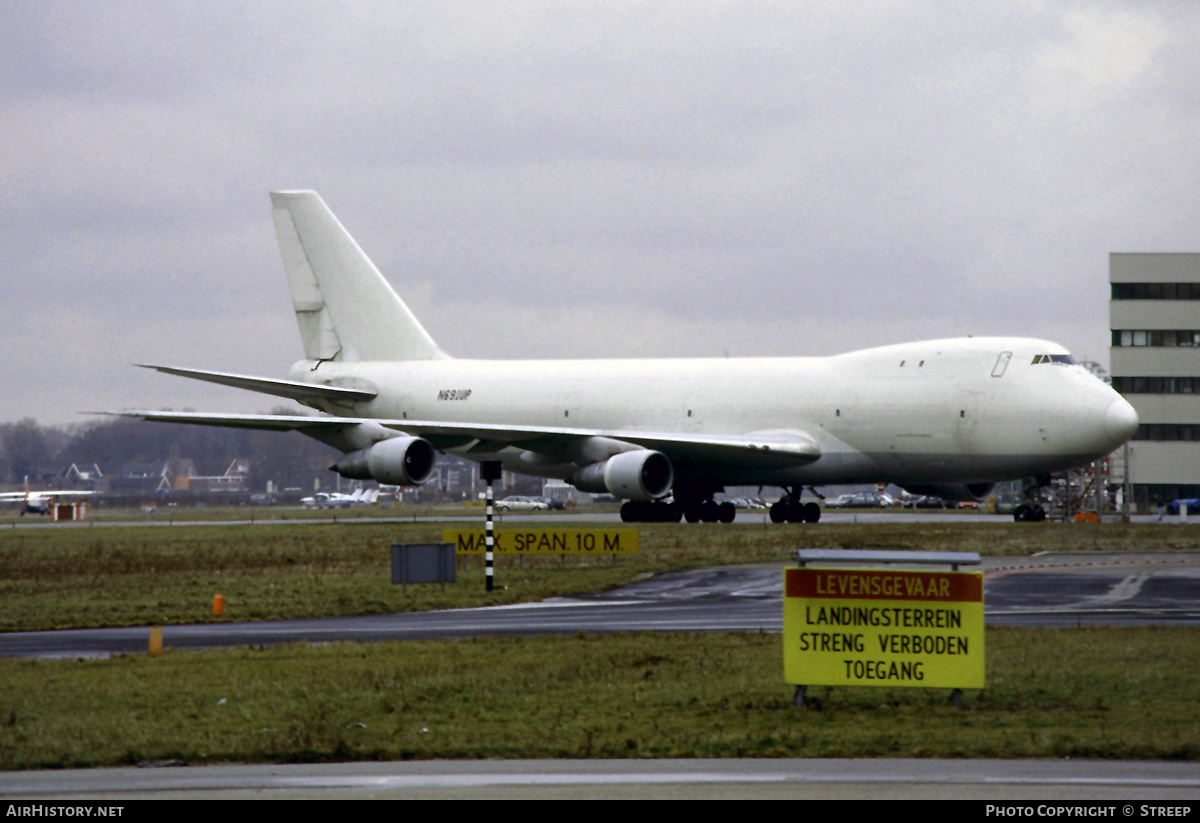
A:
(545, 541)
(871, 627)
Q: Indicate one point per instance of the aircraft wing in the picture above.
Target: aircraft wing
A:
(774, 449)
(766, 450)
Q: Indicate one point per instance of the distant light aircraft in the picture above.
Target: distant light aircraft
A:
(942, 417)
(38, 502)
(335, 500)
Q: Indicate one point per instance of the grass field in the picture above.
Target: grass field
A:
(1112, 693)
(1098, 693)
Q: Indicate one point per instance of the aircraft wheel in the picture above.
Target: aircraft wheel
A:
(812, 512)
(1021, 513)
(638, 511)
(726, 512)
(693, 512)
(778, 513)
(708, 511)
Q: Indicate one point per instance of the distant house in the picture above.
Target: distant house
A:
(87, 474)
(179, 474)
(140, 478)
(88, 477)
(234, 479)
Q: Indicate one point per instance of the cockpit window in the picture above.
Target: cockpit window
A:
(1060, 359)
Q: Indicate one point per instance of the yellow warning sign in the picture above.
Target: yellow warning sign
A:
(870, 627)
(545, 541)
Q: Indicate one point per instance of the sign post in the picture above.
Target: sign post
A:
(879, 627)
(491, 471)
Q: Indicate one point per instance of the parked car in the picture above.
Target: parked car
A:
(519, 503)
(858, 500)
(552, 502)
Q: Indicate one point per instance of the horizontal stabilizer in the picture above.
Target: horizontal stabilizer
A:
(291, 389)
(268, 422)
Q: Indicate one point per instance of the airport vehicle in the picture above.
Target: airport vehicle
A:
(1192, 503)
(39, 502)
(944, 417)
(517, 503)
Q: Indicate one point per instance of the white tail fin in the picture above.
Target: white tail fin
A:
(345, 309)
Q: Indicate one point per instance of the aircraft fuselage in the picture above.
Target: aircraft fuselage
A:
(945, 411)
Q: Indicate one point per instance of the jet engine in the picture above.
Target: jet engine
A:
(400, 461)
(966, 493)
(634, 475)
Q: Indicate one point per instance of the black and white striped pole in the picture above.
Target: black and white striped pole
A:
(491, 470)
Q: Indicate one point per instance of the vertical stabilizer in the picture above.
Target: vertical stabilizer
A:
(345, 309)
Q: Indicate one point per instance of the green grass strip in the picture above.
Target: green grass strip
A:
(1124, 693)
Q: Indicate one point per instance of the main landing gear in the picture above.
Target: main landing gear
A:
(789, 509)
(709, 511)
(650, 511)
(703, 509)
(694, 511)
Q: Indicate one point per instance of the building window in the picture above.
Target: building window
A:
(1156, 338)
(1168, 432)
(1157, 385)
(1156, 291)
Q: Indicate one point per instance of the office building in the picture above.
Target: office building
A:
(1154, 315)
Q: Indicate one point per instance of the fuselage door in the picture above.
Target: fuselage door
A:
(1001, 364)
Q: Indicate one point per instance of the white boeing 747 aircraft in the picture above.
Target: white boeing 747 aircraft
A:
(943, 417)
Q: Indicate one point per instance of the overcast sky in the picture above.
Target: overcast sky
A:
(578, 179)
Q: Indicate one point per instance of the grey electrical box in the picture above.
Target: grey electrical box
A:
(423, 563)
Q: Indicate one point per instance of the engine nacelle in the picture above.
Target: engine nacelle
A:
(968, 493)
(400, 461)
(635, 475)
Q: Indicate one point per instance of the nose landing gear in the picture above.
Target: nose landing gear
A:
(1027, 513)
(1031, 511)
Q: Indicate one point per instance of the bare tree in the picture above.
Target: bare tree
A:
(26, 449)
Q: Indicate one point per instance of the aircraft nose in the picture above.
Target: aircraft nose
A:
(1120, 421)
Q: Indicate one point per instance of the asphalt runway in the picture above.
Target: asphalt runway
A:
(1048, 590)
(1027, 783)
